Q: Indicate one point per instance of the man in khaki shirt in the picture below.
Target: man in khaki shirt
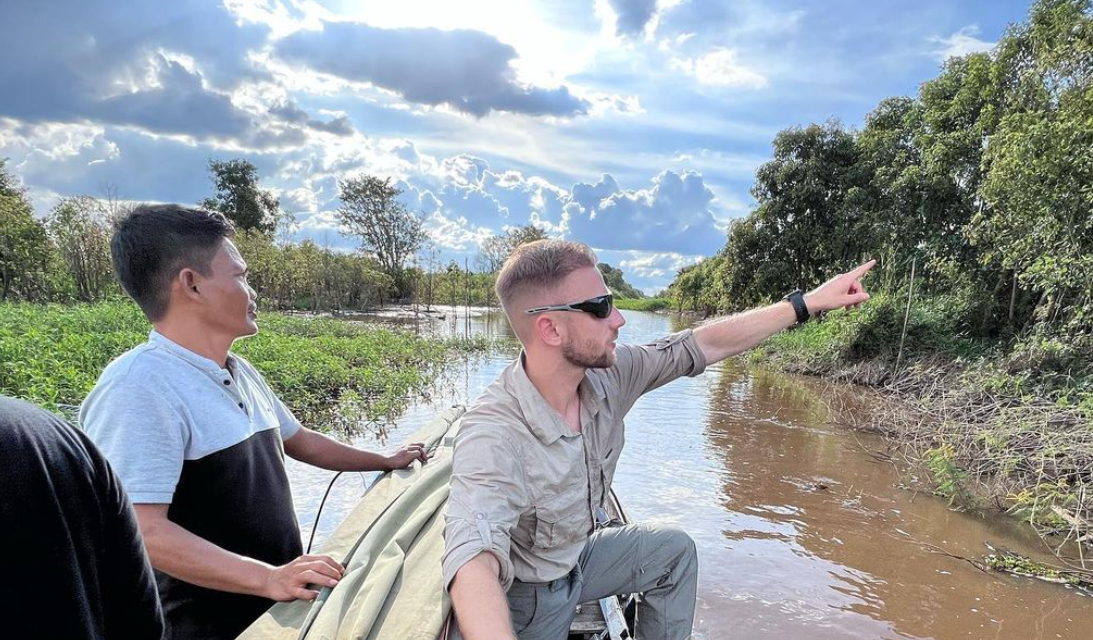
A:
(536, 453)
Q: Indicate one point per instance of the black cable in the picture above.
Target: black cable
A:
(319, 514)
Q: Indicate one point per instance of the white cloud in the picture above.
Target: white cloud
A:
(961, 43)
(455, 234)
(720, 68)
(672, 215)
(656, 265)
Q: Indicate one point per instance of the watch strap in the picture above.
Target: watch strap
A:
(797, 299)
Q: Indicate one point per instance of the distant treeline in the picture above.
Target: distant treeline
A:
(65, 257)
(982, 186)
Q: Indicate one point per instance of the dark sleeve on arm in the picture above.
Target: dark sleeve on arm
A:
(131, 607)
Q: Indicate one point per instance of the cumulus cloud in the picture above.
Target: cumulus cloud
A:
(467, 70)
(719, 67)
(960, 43)
(167, 68)
(656, 266)
(631, 16)
(672, 215)
(179, 103)
(649, 271)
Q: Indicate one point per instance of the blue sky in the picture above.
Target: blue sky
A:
(633, 125)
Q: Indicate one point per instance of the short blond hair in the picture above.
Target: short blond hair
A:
(540, 265)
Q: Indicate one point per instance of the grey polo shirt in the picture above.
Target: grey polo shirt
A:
(208, 441)
(524, 485)
(160, 404)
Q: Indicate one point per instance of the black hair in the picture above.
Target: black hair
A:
(154, 242)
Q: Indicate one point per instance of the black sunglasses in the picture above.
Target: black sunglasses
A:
(600, 306)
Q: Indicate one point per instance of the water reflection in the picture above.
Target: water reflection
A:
(800, 533)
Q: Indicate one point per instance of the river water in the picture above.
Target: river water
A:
(801, 533)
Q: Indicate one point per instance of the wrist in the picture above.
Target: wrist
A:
(260, 579)
(812, 304)
(801, 309)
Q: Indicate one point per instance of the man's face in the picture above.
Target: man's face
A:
(231, 307)
(589, 341)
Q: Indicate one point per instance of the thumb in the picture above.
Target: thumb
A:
(857, 298)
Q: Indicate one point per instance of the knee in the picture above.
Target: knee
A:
(671, 537)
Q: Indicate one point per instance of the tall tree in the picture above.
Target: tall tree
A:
(494, 250)
(25, 249)
(612, 277)
(239, 198)
(808, 199)
(371, 211)
(81, 228)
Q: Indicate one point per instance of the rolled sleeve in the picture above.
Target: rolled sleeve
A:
(487, 497)
(640, 369)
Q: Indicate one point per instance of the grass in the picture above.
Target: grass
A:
(643, 304)
(332, 373)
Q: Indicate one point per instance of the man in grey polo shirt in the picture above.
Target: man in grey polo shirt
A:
(198, 438)
(525, 540)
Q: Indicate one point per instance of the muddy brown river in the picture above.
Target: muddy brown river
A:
(801, 533)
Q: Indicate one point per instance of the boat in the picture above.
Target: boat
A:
(391, 545)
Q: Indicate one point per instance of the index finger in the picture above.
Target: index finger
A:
(327, 560)
(864, 269)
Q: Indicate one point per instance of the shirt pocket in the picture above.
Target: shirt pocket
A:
(561, 522)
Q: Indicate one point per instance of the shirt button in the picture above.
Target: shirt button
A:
(227, 382)
(480, 516)
(241, 406)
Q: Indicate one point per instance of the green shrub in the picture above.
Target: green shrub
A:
(52, 355)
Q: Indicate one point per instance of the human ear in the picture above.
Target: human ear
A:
(189, 280)
(550, 331)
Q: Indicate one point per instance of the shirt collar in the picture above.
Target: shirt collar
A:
(190, 357)
(543, 420)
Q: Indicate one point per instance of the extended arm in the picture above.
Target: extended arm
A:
(481, 607)
(183, 555)
(317, 449)
(737, 333)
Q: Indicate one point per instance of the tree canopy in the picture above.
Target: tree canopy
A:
(239, 197)
(982, 183)
(371, 211)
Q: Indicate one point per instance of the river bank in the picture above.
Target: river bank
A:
(800, 532)
(1003, 426)
(337, 375)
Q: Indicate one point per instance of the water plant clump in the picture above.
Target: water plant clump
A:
(644, 304)
(53, 354)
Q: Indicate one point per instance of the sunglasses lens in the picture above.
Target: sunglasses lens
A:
(599, 307)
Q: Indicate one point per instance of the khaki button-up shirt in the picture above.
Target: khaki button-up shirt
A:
(528, 488)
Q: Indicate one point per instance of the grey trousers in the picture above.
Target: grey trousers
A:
(659, 561)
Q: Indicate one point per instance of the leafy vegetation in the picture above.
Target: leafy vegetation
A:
(324, 369)
(618, 285)
(387, 230)
(240, 199)
(975, 197)
(644, 304)
(980, 185)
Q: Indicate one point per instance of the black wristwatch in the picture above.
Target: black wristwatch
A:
(797, 299)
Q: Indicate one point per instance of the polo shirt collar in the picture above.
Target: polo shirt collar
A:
(543, 419)
(181, 352)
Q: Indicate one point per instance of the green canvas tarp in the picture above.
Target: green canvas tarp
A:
(391, 545)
